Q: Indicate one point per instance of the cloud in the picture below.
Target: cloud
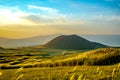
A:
(43, 16)
(108, 19)
(48, 9)
(46, 19)
(11, 15)
(46, 15)
(35, 20)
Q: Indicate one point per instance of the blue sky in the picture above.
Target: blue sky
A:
(43, 17)
(70, 6)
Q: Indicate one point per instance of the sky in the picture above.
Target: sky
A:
(26, 18)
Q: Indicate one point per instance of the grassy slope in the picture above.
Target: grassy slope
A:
(103, 56)
(66, 65)
(64, 73)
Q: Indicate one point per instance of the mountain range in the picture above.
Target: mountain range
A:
(24, 42)
(110, 40)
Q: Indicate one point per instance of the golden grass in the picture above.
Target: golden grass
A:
(1, 73)
(63, 73)
(73, 77)
(19, 70)
(66, 67)
(81, 77)
(103, 56)
(20, 76)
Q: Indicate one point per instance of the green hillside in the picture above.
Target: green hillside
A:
(72, 42)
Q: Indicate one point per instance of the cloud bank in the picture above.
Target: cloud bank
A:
(42, 20)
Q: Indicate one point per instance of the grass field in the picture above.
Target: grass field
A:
(52, 64)
(111, 72)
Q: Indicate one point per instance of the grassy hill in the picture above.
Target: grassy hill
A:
(55, 58)
(72, 42)
(103, 56)
(53, 64)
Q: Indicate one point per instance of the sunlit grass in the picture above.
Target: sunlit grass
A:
(78, 66)
(63, 73)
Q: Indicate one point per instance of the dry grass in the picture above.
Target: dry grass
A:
(62, 73)
(103, 56)
(81, 66)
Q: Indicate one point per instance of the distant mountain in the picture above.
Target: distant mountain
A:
(110, 40)
(72, 42)
(32, 41)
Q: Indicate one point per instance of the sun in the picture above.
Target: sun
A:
(11, 20)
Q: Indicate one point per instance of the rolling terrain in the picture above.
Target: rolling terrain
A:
(56, 64)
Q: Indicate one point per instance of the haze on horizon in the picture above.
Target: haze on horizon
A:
(26, 18)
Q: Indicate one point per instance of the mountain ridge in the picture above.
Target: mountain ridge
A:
(110, 40)
(25, 42)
